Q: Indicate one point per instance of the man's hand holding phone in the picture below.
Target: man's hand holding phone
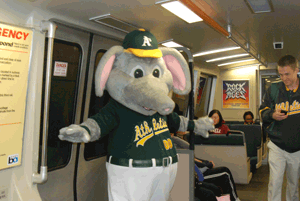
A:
(280, 115)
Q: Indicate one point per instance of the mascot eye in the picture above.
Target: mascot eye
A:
(138, 73)
(156, 73)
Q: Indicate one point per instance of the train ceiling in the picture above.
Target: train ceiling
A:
(254, 32)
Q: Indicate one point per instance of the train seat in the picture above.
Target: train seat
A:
(229, 151)
(234, 122)
(256, 122)
(253, 135)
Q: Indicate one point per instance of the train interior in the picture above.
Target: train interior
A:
(78, 33)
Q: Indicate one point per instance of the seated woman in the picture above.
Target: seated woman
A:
(220, 127)
(219, 176)
(248, 118)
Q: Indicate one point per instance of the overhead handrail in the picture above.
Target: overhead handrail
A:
(50, 28)
(247, 48)
(199, 7)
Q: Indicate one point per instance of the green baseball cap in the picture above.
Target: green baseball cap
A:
(141, 43)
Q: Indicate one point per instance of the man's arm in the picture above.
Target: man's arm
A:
(266, 109)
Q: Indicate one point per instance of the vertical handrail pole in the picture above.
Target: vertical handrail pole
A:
(191, 106)
(41, 177)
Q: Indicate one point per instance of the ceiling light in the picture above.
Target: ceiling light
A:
(228, 57)
(215, 51)
(171, 44)
(249, 66)
(235, 62)
(113, 22)
(260, 6)
(179, 9)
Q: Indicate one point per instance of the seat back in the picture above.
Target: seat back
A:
(234, 122)
(236, 139)
(185, 178)
(253, 137)
(229, 151)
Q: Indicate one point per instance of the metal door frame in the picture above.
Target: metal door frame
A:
(59, 185)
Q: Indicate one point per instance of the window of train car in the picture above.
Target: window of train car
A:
(202, 97)
(98, 148)
(62, 100)
(203, 90)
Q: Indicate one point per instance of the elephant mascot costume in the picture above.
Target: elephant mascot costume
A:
(142, 160)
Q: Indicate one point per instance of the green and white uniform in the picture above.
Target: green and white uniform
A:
(136, 137)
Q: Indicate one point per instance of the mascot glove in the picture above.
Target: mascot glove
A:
(74, 133)
(203, 125)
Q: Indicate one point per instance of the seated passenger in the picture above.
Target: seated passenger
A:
(206, 191)
(219, 176)
(248, 118)
(220, 127)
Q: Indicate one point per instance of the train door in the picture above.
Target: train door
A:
(92, 178)
(69, 63)
(71, 57)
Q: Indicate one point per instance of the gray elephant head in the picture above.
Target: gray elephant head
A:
(143, 83)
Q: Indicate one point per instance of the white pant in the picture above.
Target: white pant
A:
(279, 161)
(140, 184)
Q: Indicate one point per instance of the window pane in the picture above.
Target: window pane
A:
(202, 102)
(62, 100)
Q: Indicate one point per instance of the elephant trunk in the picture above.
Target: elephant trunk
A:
(151, 94)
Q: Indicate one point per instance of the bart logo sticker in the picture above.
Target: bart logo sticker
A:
(147, 41)
(13, 159)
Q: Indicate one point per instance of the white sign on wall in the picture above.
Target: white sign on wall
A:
(60, 68)
(15, 49)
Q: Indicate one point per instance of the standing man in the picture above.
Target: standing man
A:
(281, 108)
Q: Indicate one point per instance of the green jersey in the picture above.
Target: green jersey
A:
(134, 135)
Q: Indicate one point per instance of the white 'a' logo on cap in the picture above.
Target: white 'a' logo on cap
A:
(147, 41)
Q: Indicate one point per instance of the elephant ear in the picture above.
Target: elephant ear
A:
(104, 68)
(179, 69)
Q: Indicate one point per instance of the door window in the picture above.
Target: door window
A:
(64, 87)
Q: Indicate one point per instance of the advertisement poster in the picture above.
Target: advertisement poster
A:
(200, 88)
(236, 94)
(15, 48)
